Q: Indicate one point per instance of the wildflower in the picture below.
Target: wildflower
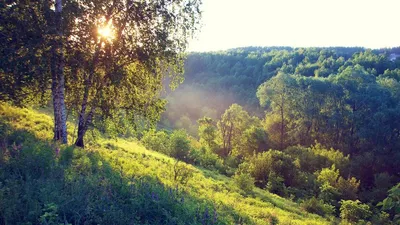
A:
(215, 216)
(205, 217)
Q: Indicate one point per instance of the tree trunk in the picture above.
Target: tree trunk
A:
(81, 133)
(58, 80)
(85, 118)
(83, 127)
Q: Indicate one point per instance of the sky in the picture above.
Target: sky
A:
(298, 23)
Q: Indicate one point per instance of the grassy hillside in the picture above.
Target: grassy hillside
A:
(118, 182)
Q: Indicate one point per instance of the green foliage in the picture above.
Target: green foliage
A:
(207, 159)
(254, 140)
(328, 176)
(179, 145)
(342, 102)
(329, 194)
(354, 211)
(176, 144)
(348, 187)
(333, 187)
(24, 69)
(317, 157)
(392, 202)
(156, 141)
(50, 215)
(313, 205)
(182, 173)
(207, 132)
(381, 218)
(272, 166)
(331, 157)
(276, 184)
(231, 127)
(278, 93)
(216, 80)
(105, 78)
(244, 181)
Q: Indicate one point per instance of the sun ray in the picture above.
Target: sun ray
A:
(106, 31)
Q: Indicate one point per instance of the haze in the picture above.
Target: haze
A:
(308, 23)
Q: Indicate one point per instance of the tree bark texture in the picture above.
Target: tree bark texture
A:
(58, 80)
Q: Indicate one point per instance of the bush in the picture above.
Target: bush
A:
(204, 157)
(272, 162)
(182, 173)
(333, 187)
(392, 203)
(381, 218)
(354, 211)
(329, 194)
(244, 181)
(276, 184)
(207, 159)
(179, 145)
(156, 141)
(317, 157)
(313, 205)
(348, 187)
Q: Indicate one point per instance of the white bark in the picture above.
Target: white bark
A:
(58, 80)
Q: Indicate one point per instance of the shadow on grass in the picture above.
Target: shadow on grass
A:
(42, 183)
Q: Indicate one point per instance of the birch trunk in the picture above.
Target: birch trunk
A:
(58, 80)
(85, 118)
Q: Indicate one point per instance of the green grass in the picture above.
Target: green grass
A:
(129, 160)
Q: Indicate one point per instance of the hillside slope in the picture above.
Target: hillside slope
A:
(117, 182)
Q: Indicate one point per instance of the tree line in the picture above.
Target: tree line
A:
(216, 80)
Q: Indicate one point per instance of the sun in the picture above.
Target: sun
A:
(106, 31)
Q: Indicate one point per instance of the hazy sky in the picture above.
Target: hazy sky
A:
(298, 23)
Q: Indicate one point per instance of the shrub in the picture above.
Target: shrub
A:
(333, 186)
(348, 187)
(182, 173)
(179, 145)
(273, 220)
(328, 176)
(317, 157)
(276, 184)
(244, 181)
(316, 206)
(392, 202)
(156, 141)
(329, 194)
(204, 157)
(272, 162)
(381, 218)
(354, 211)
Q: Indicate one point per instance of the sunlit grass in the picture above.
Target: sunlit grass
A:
(132, 160)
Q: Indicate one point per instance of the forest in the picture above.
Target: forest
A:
(308, 122)
(105, 118)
